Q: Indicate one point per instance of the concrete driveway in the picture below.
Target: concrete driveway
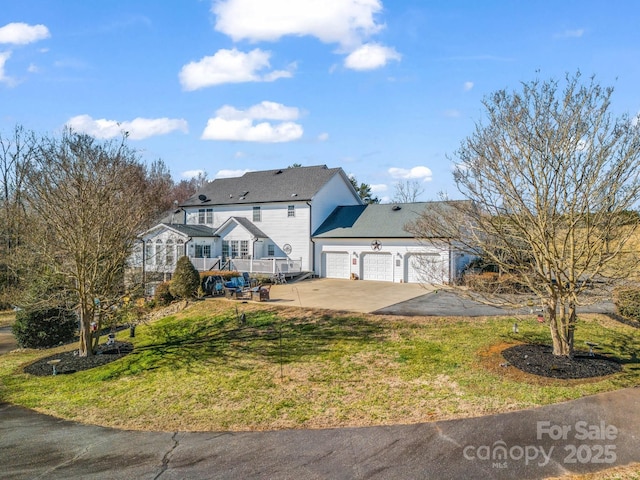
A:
(348, 295)
(388, 298)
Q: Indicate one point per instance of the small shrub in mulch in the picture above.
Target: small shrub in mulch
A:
(71, 362)
(540, 360)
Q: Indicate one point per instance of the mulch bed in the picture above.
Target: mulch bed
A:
(540, 360)
(70, 362)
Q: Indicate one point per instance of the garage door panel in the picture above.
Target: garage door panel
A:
(336, 264)
(426, 268)
(377, 266)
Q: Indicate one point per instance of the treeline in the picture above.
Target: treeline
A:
(70, 210)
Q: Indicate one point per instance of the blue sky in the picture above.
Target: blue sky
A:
(385, 89)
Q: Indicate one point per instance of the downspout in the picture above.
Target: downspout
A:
(186, 246)
(313, 243)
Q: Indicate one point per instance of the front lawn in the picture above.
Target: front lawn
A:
(204, 369)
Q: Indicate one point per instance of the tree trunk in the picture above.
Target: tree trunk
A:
(562, 328)
(86, 335)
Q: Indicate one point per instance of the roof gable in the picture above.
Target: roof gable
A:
(283, 185)
(244, 223)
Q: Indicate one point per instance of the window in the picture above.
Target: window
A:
(180, 248)
(148, 252)
(234, 248)
(256, 214)
(203, 251)
(244, 248)
(271, 250)
(225, 249)
(158, 253)
(205, 215)
(291, 211)
(169, 253)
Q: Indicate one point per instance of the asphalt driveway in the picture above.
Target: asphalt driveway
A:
(585, 435)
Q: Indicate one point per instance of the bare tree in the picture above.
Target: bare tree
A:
(408, 191)
(88, 200)
(552, 178)
(16, 151)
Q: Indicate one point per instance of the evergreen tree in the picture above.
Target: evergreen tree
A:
(186, 279)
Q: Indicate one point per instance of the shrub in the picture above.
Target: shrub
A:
(163, 295)
(44, 327)
(186, 279)
(627, 302)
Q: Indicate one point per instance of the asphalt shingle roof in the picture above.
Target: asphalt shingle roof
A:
(192, 230)
(284, 185)
(375, 220)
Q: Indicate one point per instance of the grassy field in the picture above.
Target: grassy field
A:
(203, 369)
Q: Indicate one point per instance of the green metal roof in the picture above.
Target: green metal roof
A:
(375, 220)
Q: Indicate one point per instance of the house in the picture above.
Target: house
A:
(261, 221)
(371, 242)
(302, 219)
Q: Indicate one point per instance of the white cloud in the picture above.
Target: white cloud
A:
(238, 125)
(4, 56)
(188, 174)
(33, 68)
(452, 113)
(245, 131)
(415, 173)
(467, 86)
(22, 33)
(346, 22)
(226, 173)
(138, 128)
(370, 56)
(264, 110)
(230, 66)
(323, 137)
(378, 188)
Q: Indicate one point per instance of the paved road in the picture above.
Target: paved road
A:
(585, 435)
(7, 340)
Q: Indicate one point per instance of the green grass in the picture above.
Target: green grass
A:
(202, 369)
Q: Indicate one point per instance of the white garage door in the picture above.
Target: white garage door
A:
(377, 266)
(336, 265)
(426, 268)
